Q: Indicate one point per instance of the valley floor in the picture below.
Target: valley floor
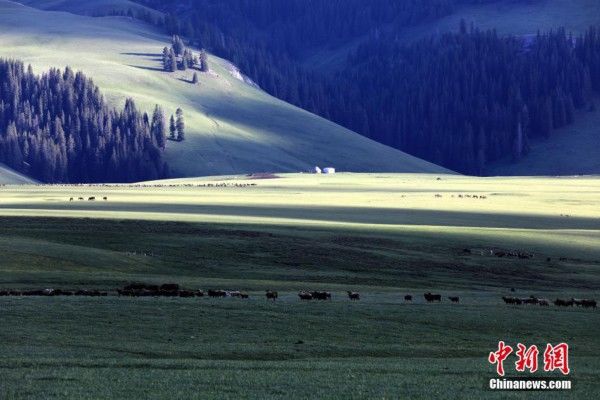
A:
(383, 235)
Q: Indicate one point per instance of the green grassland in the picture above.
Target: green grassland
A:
(384, 235)
(232, 127)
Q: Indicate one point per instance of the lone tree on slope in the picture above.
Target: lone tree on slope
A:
(180, 125)
(172, 128)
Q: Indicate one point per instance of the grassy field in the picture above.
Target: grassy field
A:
(383, 235)
(231, 126)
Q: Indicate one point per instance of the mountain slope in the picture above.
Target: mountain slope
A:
(507, 17)
(10, 177)
(90, 7)
(232, 127)
(572, 150)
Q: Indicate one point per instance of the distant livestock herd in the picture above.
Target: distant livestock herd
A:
(174, 290)
(585, 303)
(92, 198)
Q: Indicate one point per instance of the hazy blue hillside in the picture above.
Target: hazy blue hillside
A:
(232, 127)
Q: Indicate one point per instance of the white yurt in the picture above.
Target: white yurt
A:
(329, 170)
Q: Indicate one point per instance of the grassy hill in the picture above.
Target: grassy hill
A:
(10, 177)
(232, 127)
(385, 235)
(572, 150)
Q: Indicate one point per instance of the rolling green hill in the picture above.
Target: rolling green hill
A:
(572, 150)
(232, 127)
(10, 177)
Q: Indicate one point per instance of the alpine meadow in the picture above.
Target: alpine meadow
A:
(292, 199)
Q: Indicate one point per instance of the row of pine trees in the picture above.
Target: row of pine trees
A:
(57, 127)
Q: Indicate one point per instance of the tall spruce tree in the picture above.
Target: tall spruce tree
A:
(172, 128)
(180, 125)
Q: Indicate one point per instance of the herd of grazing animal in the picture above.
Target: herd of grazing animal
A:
(174, 290)
(91, 198)
(53, 292)
(532, 300)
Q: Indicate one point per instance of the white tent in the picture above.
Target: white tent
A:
(329, 170)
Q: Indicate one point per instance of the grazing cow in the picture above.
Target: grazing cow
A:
(454, 299)
(585, 303)
(169, 287)
(244, 295)
(508, 300)
(353, 295)
(105, 198)
(530, 300)
(91, 198)
(271, 295)
(588, 303)
(3, 293)
(186, 293)
(305, 296)
(512, 289)
(544, 302)
(408, 297)
(432, 297)
(71, 199)
(199, 293)
(81, 198)
(321, 295)
(235, 293)
(217, 293)
(563, 303)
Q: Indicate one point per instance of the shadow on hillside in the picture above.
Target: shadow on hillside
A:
(142, 54)
(146, 68)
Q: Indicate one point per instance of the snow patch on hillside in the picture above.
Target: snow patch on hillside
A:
(237, 74)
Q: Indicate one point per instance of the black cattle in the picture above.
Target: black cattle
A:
(563, 303)
(305, 296)
(271, 295)
(589, 303)
(169, 287)
(454, 299)
(512, 300)
(321, 295)
(408, 297)
(91, 198)
(530, 300)
(585, 303)
(353, 295)
(432, 297)
(217, 293)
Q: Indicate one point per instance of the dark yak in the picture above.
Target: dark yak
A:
(432, 297)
